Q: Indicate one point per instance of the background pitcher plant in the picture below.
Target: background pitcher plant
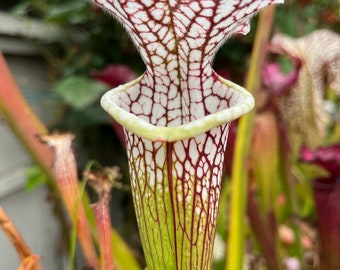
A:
(176, 119)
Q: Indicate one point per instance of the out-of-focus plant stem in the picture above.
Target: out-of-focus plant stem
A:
(28, 128)
(102, 214)
(290, 206)
(29, 262)
(261, 229)
(265, 169)
(65, 174)
(23, 121)
(24, 252)
(239, 167)
(327, 204)
(102, 184)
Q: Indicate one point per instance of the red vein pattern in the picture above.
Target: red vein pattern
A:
(176, 183)
(176, 193)
(177, 41)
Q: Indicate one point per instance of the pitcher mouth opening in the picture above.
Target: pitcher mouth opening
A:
(240, 103)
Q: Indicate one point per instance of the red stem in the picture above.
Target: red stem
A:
(65, 174)
(103, 221)
(28, 128)
(327, 205)
(22, 119)
(15, 237)
(264, 233)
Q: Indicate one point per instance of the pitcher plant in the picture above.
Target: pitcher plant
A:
(176, 118)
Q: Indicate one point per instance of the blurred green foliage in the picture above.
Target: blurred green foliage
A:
(97, 40)
(73, 87)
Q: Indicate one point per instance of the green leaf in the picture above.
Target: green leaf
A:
(79, 92)
(35, 178)
(20, 9)
(69, 12)
(123, 256)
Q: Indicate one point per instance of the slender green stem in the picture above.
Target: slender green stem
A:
(238, 197)
(243, 141)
